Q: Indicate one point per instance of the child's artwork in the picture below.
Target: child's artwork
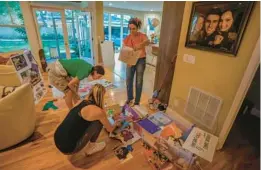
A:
(103, 82)
(85, 86)
(125, 133)
(128, 111)
(160, 119)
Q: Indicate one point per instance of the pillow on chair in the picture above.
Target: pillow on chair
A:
(6, 90)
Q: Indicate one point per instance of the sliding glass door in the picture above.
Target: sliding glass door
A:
(116, 28)
(65, 34)
(51, 33)
(79, 33)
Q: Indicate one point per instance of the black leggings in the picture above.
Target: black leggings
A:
(91, 134)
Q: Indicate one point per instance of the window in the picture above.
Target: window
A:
(12, 31)
(78, 28)
(116, 28)
(116, 31)
(126, 19)
(106, 26)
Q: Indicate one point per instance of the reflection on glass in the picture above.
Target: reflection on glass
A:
(125, 31)
(78, 28)
(13, 39)
(116, 31)
(4, 15)
(13, 36)
(106, 26)
(51, 32)
(16, 13)
(126, 19)
(118, 28)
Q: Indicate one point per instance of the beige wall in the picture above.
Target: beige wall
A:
(99, 27)
(216, 73)
(99, 17)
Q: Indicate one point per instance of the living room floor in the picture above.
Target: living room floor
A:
(38, 152)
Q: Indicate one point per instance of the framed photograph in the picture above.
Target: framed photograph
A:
(218, 26)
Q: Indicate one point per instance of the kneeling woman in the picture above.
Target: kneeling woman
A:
(82, 126)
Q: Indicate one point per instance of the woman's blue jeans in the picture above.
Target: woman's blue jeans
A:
(139, 68)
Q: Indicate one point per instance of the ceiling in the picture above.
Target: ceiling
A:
(136, 5)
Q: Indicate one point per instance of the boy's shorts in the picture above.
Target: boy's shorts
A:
(57, 80)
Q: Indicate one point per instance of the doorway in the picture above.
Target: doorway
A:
(64, 34)
(245, 132)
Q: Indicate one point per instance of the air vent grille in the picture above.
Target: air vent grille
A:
(203, 107)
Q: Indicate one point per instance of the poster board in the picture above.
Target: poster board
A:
(201, 143)
(107, 52)
(28, 71)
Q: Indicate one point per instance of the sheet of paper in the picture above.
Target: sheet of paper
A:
(201, 143)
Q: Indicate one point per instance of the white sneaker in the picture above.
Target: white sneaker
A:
(95, 148)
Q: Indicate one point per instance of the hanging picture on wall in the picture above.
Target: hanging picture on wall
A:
(218, 26)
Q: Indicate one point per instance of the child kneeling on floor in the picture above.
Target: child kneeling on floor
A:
(81, 127)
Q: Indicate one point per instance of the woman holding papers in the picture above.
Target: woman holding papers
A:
(137, 41)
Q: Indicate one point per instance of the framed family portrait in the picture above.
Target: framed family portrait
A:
(218, 26)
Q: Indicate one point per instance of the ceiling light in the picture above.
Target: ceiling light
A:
(110, 4)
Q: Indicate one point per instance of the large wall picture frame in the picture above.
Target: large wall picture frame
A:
(218, 26)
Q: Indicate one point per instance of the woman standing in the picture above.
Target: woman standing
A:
(82, 126)
(137, 41)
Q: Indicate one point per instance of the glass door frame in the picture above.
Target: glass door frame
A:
(64, 27)
(121, 24)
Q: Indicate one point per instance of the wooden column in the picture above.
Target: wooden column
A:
(168, 47)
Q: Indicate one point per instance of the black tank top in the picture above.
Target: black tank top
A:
(72, 129)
